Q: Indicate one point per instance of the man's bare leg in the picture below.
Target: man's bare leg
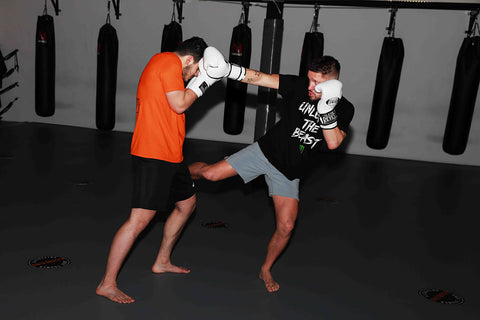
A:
(171, 232)
(286, 210)
(212, 172)
(121, 245)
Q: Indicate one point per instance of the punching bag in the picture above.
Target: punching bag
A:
(45, 66)
(107, 61)
(464, 93)
(312, 48)
(385, 93)
(171, 36)
(236, 94)
(3, 68)
(265, 116)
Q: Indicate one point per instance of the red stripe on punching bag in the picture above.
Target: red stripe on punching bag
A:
(236, 93)
(385, 94)
(107, 61)
(45, 66)
(464, 94)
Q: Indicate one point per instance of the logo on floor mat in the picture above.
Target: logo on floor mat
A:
(49, 262)
(441, 296)
(215, 225)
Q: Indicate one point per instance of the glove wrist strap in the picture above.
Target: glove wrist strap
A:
(328, 120)
(237, 72)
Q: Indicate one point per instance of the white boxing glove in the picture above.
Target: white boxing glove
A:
(202, 82)
(218, 68)
(331, 93)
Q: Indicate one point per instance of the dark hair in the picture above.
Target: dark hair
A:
(325, 65)
(193, 46)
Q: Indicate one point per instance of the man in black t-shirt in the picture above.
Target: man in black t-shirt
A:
(316, 118)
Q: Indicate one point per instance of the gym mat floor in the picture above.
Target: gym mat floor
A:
(376, 238)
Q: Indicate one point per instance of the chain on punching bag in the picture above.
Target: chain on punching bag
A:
(464, 93)
(45, 66)
(107, 61)
(172, 35)
(236, 93)
(385, 93)
(313, 44)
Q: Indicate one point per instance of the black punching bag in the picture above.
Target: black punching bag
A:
(464, 94)
(107, 60)
(312, 48)
(236, 96)
(171, 36)
(45, 66)
(385, 94)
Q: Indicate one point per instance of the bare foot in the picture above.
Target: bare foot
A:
(163, 268)
(270, 284)
(114, 294)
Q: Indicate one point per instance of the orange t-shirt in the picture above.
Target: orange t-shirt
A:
(159, 131)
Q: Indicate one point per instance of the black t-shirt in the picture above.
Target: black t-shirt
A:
(297, 139)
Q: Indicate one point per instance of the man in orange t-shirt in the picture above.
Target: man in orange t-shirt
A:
(160, 177)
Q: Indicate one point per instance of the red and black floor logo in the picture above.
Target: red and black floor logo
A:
(215, 225)
(441, 296)
(49, 262)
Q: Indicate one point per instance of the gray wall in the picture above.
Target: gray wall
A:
(432, 39)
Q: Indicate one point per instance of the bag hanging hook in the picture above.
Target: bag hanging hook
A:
(174, 17)
(116, 7)
(245, 11)
(108, 12)
(314, 27)
(55, 6)
(391, 25)
(179, 5)
(473, 24)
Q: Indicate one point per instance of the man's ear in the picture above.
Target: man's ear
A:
(189, 60)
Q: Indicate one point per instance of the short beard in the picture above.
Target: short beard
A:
(186, 72)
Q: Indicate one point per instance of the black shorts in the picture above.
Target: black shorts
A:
(158, 184)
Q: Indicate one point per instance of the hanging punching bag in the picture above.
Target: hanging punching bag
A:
(385, 93)
(265, 116)
(107, 61)
(236, 94)
(45, 66)
(171, 36)
(464, 94)
(312, 48)
(3, 68)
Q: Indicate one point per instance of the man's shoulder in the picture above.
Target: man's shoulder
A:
(165, 59)
(345, 103)
(290, 83)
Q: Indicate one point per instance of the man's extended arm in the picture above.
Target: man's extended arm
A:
(261, 79)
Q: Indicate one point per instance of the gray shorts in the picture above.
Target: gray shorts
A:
(250, 163)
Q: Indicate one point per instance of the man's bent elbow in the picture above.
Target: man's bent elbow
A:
(332, 145)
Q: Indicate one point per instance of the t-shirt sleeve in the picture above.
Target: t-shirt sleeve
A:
(345, 111)
(286, 84)
(172, 76)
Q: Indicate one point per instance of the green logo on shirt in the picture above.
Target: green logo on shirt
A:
(301, 147)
